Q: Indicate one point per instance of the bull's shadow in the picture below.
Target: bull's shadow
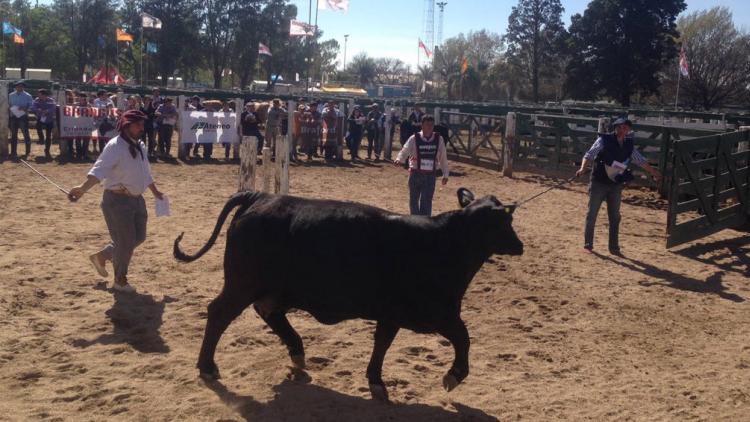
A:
(711, 285)
(136, 320)
(307, 402)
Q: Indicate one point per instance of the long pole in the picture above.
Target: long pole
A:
(141, 54)
(346, 40)
(43, 176)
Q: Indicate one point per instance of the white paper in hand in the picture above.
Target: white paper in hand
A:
(162, 206)
(17, 111)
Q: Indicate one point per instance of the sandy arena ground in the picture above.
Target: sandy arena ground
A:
(556, 334)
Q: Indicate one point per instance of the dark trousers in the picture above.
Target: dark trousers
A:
(81, 148)
(149, 136)
(165, 138)
(374, 142)
(598, 193)
(354, 144)
(43, 129)
(421, 191)
(23, 123)
(102, 143)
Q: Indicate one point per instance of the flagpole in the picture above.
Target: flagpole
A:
(141, 51)
(677, 94)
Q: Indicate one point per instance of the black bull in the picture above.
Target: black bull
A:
(340, 261)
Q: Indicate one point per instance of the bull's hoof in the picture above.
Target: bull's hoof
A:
(298, 361)
(379, 393)
(450, 382)
(209, 372)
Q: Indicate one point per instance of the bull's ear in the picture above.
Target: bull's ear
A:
(509, 208)
(465, 197)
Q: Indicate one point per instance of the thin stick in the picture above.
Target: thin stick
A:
(543, 192)
(43, 176)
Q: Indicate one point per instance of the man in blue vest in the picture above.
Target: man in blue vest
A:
(426, 153)
(612, 153)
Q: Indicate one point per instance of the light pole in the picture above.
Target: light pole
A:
(346, 39)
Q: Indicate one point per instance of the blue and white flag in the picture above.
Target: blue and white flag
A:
(152, 48)
(9, 29)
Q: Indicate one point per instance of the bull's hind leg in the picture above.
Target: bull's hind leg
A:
(282, 328)
(385, 332)
(457, 334)
(221, 312)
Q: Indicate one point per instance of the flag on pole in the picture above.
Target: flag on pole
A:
(9, 29)
(151, 48)
(148, 21)
(263, 49)
(684, 69)
(18, 39)
(464, 66)
(300, 29)
(123, 36)
(335, 5)
(427, 52)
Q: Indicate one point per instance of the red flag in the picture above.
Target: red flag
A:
(684, 69)
(18, 39)
(464, 65)
(427, 52)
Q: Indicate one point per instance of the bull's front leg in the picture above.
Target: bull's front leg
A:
(385, 332)
(458, 335)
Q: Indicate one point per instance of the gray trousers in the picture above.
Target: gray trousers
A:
(598, 193)
(421, 191)
(126, 218)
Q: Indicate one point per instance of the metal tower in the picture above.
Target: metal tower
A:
(441, 5)
(429, 24)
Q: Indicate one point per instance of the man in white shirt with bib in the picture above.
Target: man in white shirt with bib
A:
(426, 153)
(124, 169)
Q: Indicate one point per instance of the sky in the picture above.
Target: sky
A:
(391, 28)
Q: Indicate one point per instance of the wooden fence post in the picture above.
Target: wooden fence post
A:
(4, 110)
(267, 172)
(248, 161)
(238, 107)
(182, 151)
(510, 141)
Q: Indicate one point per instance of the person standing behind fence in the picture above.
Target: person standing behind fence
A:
(309, 132)
(356, 127)
(126, 174)
(373, 132)
(104, 104)
(611, 155)
(45, 109)
(149, 132)
(82, 141)
(249, 122)
(193, 105)
(273, 124)
(19, 102)
(227, 107)
(330, 143)
(166, 117)
(425, 152)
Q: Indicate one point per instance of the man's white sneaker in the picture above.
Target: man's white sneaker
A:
(98, 264)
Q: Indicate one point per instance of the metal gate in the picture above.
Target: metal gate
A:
(710, 186)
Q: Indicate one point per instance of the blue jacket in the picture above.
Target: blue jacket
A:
(45, 110)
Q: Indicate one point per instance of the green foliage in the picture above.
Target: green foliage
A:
(620, 46)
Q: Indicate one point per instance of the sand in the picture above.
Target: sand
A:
(556, 334)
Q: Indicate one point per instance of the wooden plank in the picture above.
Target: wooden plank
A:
(248, 161)
(700, 228)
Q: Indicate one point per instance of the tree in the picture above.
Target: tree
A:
(619, 47)
(390, 71)
(219, 30)
(364, 68)
(289, 53)
(718, 56)
(481, 50)
(177, 37)
(85, 23)
(535, 38)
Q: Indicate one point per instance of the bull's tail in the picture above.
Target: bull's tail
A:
(238, 199)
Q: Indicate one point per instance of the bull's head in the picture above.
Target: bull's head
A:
(494, 221)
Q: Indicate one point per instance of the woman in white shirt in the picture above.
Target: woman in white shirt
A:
(124, 169)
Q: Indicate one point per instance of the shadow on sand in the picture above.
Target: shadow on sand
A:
(307, 402)
(731, 255)
(136, 319)
(711, 285)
